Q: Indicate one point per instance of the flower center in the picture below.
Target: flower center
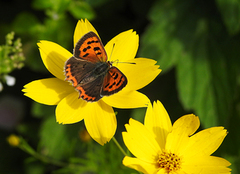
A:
(169, 161)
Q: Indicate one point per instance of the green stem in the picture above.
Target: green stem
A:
(28, 149)
(121, 149)
(45, 159)
(119, 146)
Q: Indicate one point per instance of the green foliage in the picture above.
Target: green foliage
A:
(11, 55)
(56, 25)
(55, 145)
(81, 9)
(53, 136)
(230, 12)
(196, 44)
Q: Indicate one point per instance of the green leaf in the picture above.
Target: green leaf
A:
(194, 42)
(34, 168)
(81, 10)
(24, 23)
(195, 83)
(40, 110)
(230, 11)
(54, 141)
(56, 5)
(39, 4)
(157, 42)
(139, 114)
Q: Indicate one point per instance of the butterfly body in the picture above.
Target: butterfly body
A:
(89, 71)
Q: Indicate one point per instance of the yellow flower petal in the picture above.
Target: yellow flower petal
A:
(157, 120)
(54, 57)
(141, 142)
(122, 47)
(100, 121)
(82, 28)
(205, 142)
(207, 165)
(139, 74)
(99, 118)
(140, 165)
(178, 172)
(71, 109)
(182, 129)
(188, 123)
(47, 91)
(124, 100)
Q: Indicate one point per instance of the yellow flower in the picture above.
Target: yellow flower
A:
(99, 116)
(13, 140)
(163, 148)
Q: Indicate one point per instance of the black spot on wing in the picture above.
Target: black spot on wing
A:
(85, 55)
(96, 48)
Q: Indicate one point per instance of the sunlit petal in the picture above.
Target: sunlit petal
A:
(140, 141)
(47, 91)
(82, 28)
(140, 165)
(207, 165)
(124, 100)
(178, 139)
(139, 72)
(205, 142)
(100, 121)
(54, 57)
(122, 47)
(157, 120)
(71, 109)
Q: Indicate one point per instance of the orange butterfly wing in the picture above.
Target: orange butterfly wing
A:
(114, 81)
(90, 48)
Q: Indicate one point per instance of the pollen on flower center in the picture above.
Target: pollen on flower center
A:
(169, 161)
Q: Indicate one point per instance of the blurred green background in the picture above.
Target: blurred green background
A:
(196, 43)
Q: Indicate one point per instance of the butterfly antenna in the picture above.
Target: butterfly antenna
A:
(133, 63)
(111, 52)
(118, 60)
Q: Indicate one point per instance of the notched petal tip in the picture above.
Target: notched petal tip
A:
(47, 91)
(70, 109)
(100, 121)
(122, 47)
(82, 28)
(187, 123)
(141, 73)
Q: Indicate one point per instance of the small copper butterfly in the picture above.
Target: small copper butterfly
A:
(90, 72)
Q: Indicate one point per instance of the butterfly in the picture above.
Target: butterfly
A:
(90, 72)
